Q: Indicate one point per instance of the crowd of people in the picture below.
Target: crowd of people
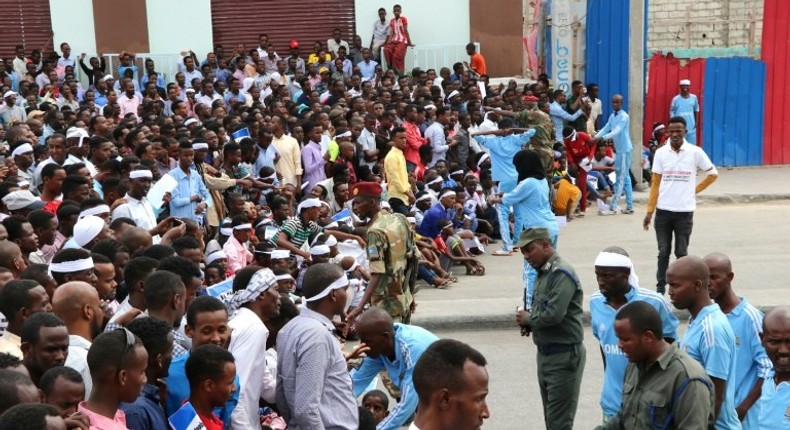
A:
(196, 251)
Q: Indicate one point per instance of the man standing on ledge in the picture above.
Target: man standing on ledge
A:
(672, 194)
(686, 106)
(556, 322)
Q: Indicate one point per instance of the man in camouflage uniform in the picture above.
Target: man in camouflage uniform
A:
(539, 120)
(392, 255)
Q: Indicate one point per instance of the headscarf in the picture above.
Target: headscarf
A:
(529, 165)
(261, 281)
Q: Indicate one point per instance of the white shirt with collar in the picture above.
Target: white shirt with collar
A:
(139, 211)
(78, 360)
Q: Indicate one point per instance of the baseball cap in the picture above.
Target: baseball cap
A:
(323, 69)
(294, 44)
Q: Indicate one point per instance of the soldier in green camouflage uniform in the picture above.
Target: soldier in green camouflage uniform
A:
(392, 254)
(532, 117)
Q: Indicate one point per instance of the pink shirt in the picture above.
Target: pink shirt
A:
(128, 105)
(238, 255)
(100, 422)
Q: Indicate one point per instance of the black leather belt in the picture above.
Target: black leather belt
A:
(556, 348)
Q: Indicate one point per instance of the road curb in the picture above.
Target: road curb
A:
(499, 322)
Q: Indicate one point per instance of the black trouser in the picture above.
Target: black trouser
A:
(398, 206)
(667, 223)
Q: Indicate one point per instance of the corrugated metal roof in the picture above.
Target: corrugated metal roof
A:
(25, 22)
(236, 22)
(664, 75)
(606, 56)
(776, 55)
(733, 119)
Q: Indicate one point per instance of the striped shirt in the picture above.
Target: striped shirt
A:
(751, 361)
(711, 341)
(296, 231)
(397, 33)
(313, 386)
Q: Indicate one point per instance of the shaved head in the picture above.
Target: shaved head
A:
(70, 298)
(718, 260)
(617, 97)
(135, 239)
(8, 252)
(777, 319)
(376, 319)
(691, 267)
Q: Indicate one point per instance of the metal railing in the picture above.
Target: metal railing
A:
(437, 56)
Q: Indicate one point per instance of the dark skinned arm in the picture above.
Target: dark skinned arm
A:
(720, 388)
(750, 399)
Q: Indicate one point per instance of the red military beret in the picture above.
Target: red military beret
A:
(367, 189)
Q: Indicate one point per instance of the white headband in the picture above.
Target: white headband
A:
(280, 254)
(457, 172)
(226, 231)
(658, 127)
(285, 277)
(411, 219)
(613, 259)
(331, 241)
(435, 180)
(22, 149)
(320, 250)
(272, 176)
(142, 173)
(71, 266)
(353, 267)
(572, 136)
(98, 210)
(344, 134)
(307, 204)
(77, 132)
(341, 282)
(199, 146)
(483, 159)
(447, 194)
(424, 197)
(214, 256)
(247, 226)
(22, 184)
(265, 221)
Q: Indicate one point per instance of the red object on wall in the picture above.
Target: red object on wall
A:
(776, 55)
(663, 83)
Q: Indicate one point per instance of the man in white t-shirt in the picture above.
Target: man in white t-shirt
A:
(673, 194)
(595, 108)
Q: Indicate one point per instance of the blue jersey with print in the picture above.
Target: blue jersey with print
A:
(751, 361)
(602, 321)
(773, 408)
(711, 341)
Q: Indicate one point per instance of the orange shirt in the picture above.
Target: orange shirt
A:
(478, 63)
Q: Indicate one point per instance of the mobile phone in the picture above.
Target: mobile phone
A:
(177, 222)
(2, 159)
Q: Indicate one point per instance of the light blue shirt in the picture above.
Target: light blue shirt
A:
(616, 129)
(558, 117)
(367, 70)
(265, 158)
(160, 81)
(241, 98)
(188, 186)
(410, 342)
(602, 322)
(178, 391)
(751, 361)
(531, 208)
(685, 108)
(502, 149)
(773, 406)
(711, 341)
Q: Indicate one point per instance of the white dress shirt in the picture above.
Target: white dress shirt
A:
(78, 360)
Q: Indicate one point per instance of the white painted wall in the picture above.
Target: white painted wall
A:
(431, 23)
(179, 25)
(72, 22)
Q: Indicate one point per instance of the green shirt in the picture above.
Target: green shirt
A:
(556, 316)
(648, 395)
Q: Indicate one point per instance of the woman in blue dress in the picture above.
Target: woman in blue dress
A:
(531, 207)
